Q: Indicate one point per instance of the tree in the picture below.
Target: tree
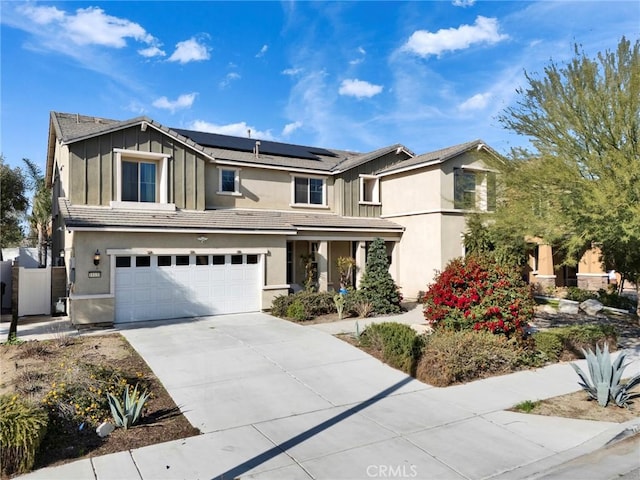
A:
(377, 286)
(40, 217)
(581, 182)
(13, 204)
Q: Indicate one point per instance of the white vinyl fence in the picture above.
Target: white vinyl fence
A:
(34, 291)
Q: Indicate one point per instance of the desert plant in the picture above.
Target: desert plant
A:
(477, 293)
(363, 308)
(604, 381)
(377, 286)
(398, 344)
(345, 269)
(127, 412)
(340, 302)
(450, 357)
(310, 272)
(22, 428)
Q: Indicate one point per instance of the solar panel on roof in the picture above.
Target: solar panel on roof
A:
(242, 144)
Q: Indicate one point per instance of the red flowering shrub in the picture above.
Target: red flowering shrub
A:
(476, 293)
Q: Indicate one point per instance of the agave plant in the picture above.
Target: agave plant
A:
(603, 383)
(127, 412)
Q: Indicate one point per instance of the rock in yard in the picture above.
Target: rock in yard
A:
(568, 306)
(421, 328)
(591, 306)
(105, 429)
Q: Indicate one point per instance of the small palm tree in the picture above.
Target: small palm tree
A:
(40, 217)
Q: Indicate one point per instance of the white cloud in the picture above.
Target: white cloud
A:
(43, 15)
(183, 101)
(292, 71)
(190, 51)
(463, 3)
(262, 51)
(239, 129)
(289, 128)
(229, 77)
(477, 102)
(356, 61)
(152, 52)
(359, 88)
(425, 43)
(89, 26)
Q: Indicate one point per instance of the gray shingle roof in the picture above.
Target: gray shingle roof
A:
(437, 156)
(71, 127)
(100, 218)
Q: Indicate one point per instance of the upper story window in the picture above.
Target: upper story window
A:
(309, 191)
(369, 189)
(141, 180)
(474, 190)
(229, 181)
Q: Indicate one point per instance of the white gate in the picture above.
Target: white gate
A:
(34, 291)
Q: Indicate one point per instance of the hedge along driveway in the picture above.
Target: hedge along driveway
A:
(279, 400)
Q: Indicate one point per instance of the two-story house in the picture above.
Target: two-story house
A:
(154, 222)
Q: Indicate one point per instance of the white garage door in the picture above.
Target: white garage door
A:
(154, 287)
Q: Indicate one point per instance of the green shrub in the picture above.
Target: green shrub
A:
(549, 344)
(22, 428)
(297, 311)
(377, 285)
(450, 357)
(569, 342)
(611, 298)
(579, 295)
(313, 303)
(398, 344)
(477, 293)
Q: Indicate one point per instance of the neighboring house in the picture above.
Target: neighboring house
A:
(153, 222)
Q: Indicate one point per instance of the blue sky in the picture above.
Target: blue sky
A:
(352, 75)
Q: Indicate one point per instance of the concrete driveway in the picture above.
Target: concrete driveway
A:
(276, 400)
(279, 400)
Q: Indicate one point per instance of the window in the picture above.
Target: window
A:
(138, 182)
(143, 261)
(252, 259)
(123, 262)
(182, 260)
(229, 181)
(202, 259)
(218, 260)
(141, 179)
(369, 189)
(309, 191)
(236, 259)
(164, 260)
(289, 262)
(474, 190)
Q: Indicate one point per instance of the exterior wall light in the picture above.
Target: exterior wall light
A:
(96, 258)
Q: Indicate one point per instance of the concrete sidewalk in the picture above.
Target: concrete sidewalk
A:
(276, 400)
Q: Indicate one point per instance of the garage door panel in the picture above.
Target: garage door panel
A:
(148, 293)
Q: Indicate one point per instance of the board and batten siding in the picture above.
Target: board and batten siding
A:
(349, 185)
(93, 167)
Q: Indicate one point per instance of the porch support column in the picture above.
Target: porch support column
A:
(361, 261)
(546, 276)
(591, 274)
(323, 261)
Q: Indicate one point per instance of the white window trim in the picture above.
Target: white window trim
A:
(162, 160)
(323, 205)
(376, 190)
(236, 186)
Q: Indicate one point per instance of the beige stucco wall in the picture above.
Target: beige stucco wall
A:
(86, 243)
(259, 188)
(413, 191)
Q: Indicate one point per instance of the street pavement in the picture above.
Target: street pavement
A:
(277, 400)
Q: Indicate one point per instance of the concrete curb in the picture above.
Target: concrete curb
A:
(548, 465)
